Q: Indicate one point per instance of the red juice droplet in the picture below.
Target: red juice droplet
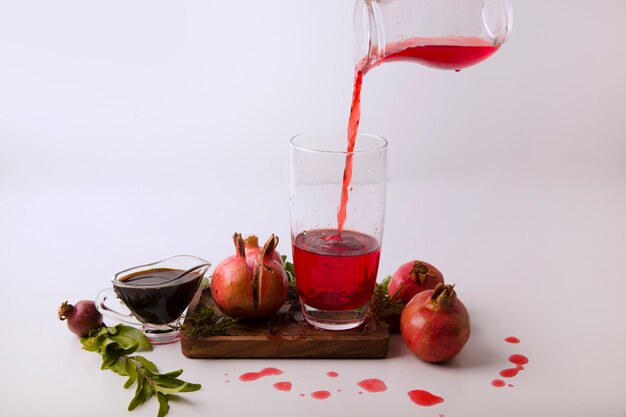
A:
(372, 385)
(509, 373)
(512, 339)
(332, 374)
(518, 359)
(283, 386)
(511, 385)
(253, 376)
(424, 398)
(320, 395)
(497, 383)
(360, 392)
(302, 395)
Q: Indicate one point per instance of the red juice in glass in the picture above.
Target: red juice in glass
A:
(335, 272)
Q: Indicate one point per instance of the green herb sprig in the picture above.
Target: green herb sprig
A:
(383, 307)
(206, 322)
(116, 344)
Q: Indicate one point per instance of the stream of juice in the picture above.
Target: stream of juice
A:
(445, 53)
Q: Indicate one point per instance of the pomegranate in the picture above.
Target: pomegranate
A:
(250, 288)
(435, 324)
(81, 317)
(412, 278)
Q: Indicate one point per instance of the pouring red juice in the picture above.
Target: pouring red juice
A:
(337, 268)
(453, 53)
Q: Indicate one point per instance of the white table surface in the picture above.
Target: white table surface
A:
(134, 131)
(537, 260)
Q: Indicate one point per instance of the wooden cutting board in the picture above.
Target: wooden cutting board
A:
(279, 337)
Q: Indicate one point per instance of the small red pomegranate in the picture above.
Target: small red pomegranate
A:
(435, 324)
(250, 287)
(413, 277)
(81, 317)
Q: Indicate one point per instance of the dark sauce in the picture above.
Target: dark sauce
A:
(156, 297)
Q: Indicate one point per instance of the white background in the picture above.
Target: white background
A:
(135, 130)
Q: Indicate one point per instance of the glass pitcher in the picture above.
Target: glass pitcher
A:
(444, 34)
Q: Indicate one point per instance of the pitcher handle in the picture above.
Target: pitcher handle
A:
(105, 301)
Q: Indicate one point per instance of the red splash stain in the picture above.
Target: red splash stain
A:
(332, 374)
(512, 339)
(498, 383)
(283, 386)
(510, 372)
(320, 395)
(424, 398)
(253, 376)
(518, 359)
(372, 385)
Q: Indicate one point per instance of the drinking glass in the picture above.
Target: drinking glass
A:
(336, 266)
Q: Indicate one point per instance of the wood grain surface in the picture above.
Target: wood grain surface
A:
(280, 337)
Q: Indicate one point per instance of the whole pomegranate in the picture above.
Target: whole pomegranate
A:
(250, 287)
(412, 278)
(435, 324)
(81, 317)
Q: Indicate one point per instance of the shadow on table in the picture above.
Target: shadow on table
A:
(477, 353)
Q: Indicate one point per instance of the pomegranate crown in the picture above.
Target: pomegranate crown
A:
(443, 295)
(419, 272)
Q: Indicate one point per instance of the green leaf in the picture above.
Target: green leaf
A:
(127, 337)
(106, 344)
(130, 381)
(142, 393)
(130, 350)
(289, 269)
(385, 283)
(191, 387)
(95, 339)
(205, 282)
(173, 374)
(145, 363)
(118, 367)
(109, 357)
(115, 344)
(131, 371)
(176, 385)
(130, 367)
(165, 389)
(164, 406)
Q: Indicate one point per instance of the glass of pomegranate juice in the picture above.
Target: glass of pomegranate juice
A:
(337, 215)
